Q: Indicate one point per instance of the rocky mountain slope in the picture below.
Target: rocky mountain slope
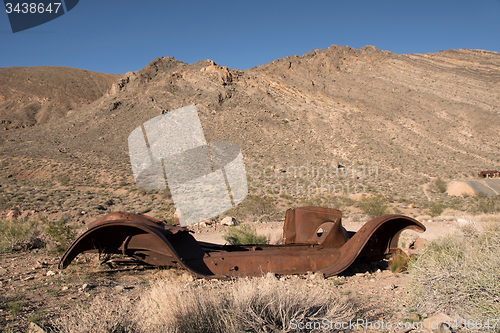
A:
(31, 95)
(411, 118)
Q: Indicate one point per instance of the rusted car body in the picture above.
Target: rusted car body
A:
(314, 240)
(489, 174)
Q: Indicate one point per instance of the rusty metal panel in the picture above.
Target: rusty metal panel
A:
(314, 241)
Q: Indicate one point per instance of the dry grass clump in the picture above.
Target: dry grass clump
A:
(459, 274)
(24, 235)
(101, 316)
(244, 305)
(18, 235)
(398, 262)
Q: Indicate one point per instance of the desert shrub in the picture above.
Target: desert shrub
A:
(436, 208)
(458, 275)
(18, 235)
(244, 305)
(441, 185)
(60, 233)
(102, 315)
(15, 308)
(374, 206)
(487, 205)
(3, 201)
(269, 305)
(242, 235)
(63, 180)
(254, 206)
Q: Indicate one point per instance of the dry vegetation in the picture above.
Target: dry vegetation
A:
(243, 305)
(459, 274)
(64, 161)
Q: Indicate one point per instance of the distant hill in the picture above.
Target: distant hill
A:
(31, 95)
(414, 117)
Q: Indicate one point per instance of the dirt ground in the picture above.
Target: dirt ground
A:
(33, 289)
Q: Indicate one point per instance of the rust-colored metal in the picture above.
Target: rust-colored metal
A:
(489, 174)
(314, 240)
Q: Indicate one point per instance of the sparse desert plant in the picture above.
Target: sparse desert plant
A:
(487, 205)
(436, 209)
(243, 305)
(242, 235)
(374, 206)
(3, 201)
(255, 206)
(63, 180)
(102, 315)
(269, 305)
(398, 262)
(60, 233)
(18, 235)
(441, 185)
(458, 275)
(15, 307)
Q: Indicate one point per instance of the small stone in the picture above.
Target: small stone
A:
(228, 220)
(64, 288)
(419, 244)
(34, 328)
(271, 275)
(40, 264)
(50, 273)
(435, 323)
(316, 276)
(390, 287)
(119, 288)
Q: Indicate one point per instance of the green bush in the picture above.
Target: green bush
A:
(374, 206)
(243, 235)
(60, 233)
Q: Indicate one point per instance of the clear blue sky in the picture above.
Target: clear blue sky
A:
(117, 36)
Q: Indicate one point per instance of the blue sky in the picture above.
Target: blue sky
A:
(117, 36)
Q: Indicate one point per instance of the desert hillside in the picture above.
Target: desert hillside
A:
(414, 117)
(32, 95)
(407, 125)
